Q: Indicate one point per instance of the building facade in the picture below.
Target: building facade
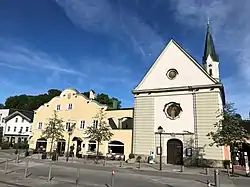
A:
(75, 108)
(185, 99)
(3, 113)
(18, 126)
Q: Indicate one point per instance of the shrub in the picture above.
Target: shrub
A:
(131, 156)
(226, 163)
(5, 145)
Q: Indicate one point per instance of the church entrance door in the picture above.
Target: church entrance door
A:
(174, 152)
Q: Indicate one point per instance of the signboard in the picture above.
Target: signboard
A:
(188, 151)
(158, 150)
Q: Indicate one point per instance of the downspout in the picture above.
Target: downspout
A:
(196, 143)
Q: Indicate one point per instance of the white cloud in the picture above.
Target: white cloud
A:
(103, 17)
(20, 57)
(230, 27)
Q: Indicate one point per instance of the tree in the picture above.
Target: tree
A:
(53, 130)
(30, 102)
(229, 131)
(2, 106)
(100, 132)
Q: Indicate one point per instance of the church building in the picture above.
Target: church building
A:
(184, 98)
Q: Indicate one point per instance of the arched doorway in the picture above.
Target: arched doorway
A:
(41, 144)
(174, 152)
(116, 147)
(78, 145)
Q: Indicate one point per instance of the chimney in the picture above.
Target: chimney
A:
(92, 94)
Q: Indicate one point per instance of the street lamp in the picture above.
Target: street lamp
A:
(69, 133)
(160, 131)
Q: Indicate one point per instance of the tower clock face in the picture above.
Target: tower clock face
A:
(172, 110)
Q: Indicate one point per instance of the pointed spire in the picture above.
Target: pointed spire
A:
(209, 45)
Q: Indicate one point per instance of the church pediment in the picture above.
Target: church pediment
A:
(174, 68)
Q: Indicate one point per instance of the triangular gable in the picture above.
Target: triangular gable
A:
(190, 72)
(16, 113)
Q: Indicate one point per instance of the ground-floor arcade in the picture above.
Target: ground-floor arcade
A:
(120, 144)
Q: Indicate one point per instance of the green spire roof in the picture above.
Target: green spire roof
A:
(209, 47)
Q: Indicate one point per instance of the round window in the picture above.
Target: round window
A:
(171, 74)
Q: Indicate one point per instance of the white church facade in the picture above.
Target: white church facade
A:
(185, 99)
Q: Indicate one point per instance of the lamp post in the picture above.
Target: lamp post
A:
(69, 133)
(160, 131)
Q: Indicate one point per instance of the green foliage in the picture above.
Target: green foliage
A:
(32, 102)
(102, 132)
(229, 131)
(53, 130)
(5, 145)
(112, 103)
(2, 106)
(29, 102)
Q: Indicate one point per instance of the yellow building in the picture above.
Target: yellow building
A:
(75, 108)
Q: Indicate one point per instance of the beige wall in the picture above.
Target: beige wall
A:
(82, 109)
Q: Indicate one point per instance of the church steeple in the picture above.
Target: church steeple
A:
(210, 58)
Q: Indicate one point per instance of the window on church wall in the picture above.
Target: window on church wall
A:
(210, 72)
(172, 73)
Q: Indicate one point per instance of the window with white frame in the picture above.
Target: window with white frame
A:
(16, 120)
(92, 146)
(95, 123)
(67, 126)
(40, 125)
(70, 106)
(14, 129)
(82, 124)
(58, 107)
(22, 120)
(21, 130)
(8, 128)
(27, 129)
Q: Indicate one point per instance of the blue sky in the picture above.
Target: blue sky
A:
(108, 45)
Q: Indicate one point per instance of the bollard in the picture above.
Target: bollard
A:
(104, 162)
(17, 158)
(121, 163)
(26, 169)
(85, 158)
(216, 178)
(207, 171)
(6, 166)
(208, 183)
(228, 172)
(77, 176)
(50, 170)
(182, 168)
(113, 178)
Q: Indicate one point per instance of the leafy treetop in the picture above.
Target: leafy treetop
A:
(229, 131)
(33, 102)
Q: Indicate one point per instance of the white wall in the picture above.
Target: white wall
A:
(186, 120)
(12, 123)
(3, 113)
(173, 57)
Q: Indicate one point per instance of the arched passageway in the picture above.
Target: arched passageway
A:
(116, 147)
(41, 144)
